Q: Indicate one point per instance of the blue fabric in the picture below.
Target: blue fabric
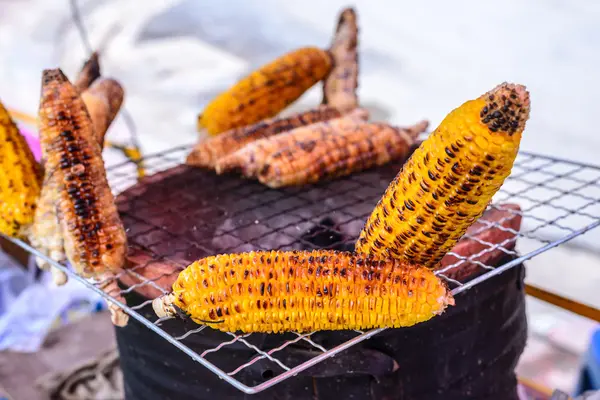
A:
(589, 378)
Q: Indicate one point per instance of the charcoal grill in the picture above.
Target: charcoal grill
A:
(559, 200)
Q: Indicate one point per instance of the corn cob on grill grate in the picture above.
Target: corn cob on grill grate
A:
(559, 201)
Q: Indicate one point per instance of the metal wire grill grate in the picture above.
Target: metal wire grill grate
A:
(195, 214)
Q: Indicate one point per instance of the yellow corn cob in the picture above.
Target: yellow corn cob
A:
(449, 180)
(20, 179)
(103, 100)
(207, 152)
(339, 88)
(90, 71)
(94, 237)
(251, 158)
(345, 151)
(266, 91)
(278, 291)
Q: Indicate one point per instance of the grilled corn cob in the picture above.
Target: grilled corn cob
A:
(339, 88)
(90, 71)
(207, 152)
(251, 158)
(346, 151)
(20, 179)
(94, 238)
(103, 100)
(278, 291)
(449, 180)
(266, 91)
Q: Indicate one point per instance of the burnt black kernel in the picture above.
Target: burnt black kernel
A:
(269, 289)
(65, 165)
(262, 289)
(503, 97)
(72, 148)
(81, 238)
(493, 129)
(66, 133)
(95, 253)
(219, 312)
(109, 246)
(95, 263)
(485, 110)
(61, 116)
(98, 225)
(496, 114)
(486, 119)
(450, 153)
(431, 176)
(491, 97)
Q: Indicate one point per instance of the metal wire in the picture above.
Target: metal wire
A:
(559, 200)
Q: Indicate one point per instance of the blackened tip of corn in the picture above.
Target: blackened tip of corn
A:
(55, 74)
(90, 71)
(506, 108)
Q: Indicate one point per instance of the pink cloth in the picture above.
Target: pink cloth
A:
(33, 142)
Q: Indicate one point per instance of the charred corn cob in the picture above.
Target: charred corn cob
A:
(207, 152)
(346, 151)
(90, 71)
(251, 158)
(339, 88)
(278, 291)
(94, 238)
(103, 100)
(449, 180)
(266, 91)
(20, 179)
